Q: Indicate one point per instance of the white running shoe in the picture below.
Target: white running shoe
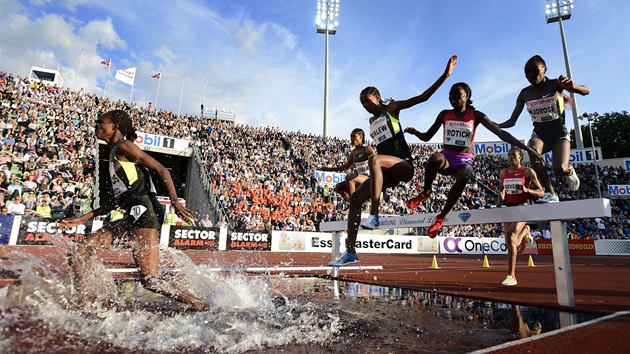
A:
(509, 281)
(370, 223)
(573, 181)
(548, 198)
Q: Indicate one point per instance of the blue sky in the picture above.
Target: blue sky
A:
(265, 61)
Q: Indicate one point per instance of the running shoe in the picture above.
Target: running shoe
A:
(528, 236)
(573, 181)
(370, 223)
(509, 281)
(537, 327)
(415, 201)
(548, 198)
(345, 259)
(435, 228)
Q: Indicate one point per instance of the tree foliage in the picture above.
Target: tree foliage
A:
(611, 132)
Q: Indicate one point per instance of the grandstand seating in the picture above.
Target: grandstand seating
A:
(262, 177)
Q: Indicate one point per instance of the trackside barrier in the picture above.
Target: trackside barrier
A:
(555, 213)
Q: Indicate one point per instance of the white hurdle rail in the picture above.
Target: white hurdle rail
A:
(555, 213)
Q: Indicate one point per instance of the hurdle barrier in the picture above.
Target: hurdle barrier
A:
(555, 213)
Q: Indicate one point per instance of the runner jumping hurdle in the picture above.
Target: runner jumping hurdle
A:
(555, 213)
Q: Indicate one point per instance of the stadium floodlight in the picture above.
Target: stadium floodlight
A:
(326, 20)
(557, 11)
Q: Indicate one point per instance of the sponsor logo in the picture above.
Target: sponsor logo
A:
(464, 216)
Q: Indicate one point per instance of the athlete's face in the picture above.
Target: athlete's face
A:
(514, 157)
(105, 127)
(458, 97)
(535, 72)
(356, 139)
(370, 102)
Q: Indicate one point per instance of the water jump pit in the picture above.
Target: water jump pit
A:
(250, 314)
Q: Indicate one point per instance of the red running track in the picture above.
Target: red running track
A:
(601, 285)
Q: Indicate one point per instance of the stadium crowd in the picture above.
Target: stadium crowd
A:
(262, 177)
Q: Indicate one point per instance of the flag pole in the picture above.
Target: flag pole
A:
(78, 69)
(109, 67)
(203, 97)
(158, 89)
(181, 93)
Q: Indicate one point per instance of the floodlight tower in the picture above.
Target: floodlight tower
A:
(557, 12)
(327, 13)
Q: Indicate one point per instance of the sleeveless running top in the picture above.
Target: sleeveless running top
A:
(460, 131)
(134, 191)
(389, 136)
(360, 158)
(546, 109)
(513, 183)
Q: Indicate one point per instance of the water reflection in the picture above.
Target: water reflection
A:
(523, 320)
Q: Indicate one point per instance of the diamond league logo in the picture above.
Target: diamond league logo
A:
(464, 216)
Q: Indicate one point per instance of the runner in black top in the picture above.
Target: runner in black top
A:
(132, 188)
(545, 104)
(393, 162)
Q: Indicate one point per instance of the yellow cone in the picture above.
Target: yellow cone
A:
(530, 263)
(434, 264)
(485, 262)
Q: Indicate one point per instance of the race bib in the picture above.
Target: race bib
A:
(544, 109)
(459, 133)
(362, 167)
(137, 211)
(379, 131)
(513, 185)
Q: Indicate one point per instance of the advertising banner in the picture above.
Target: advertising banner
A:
(193, 238)
(6, 225)
(37, 231)
(247, 240)
(576, 247)
(472, 245)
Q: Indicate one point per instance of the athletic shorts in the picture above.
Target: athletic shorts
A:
(550, 137)
(140, 213)
(456, 159)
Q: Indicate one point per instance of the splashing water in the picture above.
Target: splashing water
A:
(41, 313)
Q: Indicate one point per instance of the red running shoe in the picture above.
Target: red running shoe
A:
(435, 228)
(414, 202)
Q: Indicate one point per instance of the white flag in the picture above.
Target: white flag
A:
(126, 75)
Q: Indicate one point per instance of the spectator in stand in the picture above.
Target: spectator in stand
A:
(545, 104)
(16, 207)
(393, 163)
(171, 217)
(43, 208)
(358, 158)
(516, 187)
(222, 223)
(456, 158)
(205, 222)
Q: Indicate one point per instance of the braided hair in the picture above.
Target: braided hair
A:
(125, 125)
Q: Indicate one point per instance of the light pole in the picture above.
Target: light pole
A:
(590, 118)
(557, 12)
(327, 13)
